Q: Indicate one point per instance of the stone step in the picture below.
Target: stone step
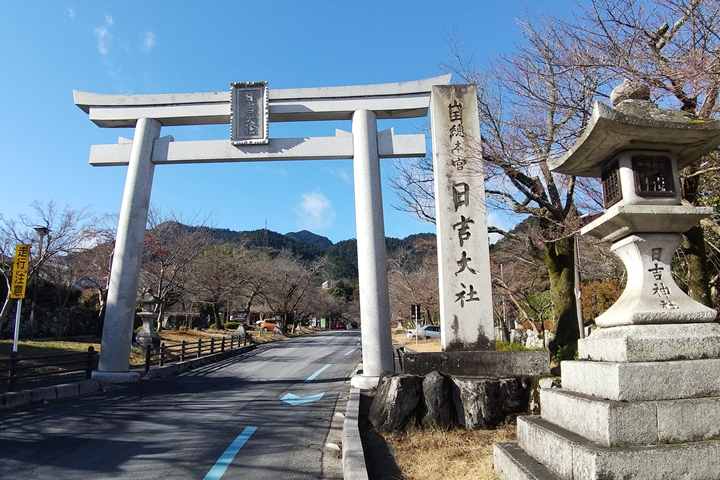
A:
(643, 380)
(612, 423)
(513, 463)
(572, 456)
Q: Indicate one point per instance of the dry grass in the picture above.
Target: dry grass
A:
(423, 345)
(452, 455)
(50, 347)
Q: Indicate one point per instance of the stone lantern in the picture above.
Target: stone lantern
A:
(147, 336)
(643, 400)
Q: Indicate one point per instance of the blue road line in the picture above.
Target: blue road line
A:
(350, 351)
(312, 377)
(228, 455)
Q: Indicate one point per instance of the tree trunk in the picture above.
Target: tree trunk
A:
(694, 248)
(559, 259)
(5, 310)
(102, 300)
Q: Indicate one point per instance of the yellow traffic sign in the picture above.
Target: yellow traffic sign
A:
(20, 271)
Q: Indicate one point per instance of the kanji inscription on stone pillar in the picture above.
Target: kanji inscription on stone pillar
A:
(461, 219)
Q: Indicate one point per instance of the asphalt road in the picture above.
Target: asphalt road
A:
(226, 420)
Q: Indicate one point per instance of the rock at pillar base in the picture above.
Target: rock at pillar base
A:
(441, 401)
(437, 391)
(396, 402)
(485, 403)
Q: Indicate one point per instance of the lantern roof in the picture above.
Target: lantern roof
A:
(637, 125)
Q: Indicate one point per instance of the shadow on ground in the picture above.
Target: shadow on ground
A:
(379, 459)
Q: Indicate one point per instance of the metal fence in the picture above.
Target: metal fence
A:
(47, 368)
(168, 353)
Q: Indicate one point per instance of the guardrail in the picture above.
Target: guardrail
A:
(46, 368)
(168, 353)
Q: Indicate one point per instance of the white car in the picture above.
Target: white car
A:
(428, 331)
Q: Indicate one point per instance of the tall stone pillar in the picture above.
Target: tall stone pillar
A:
(125, 274)
(466, 310)
(372, 257)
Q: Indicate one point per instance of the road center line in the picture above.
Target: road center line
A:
(228, 455)
(312, 377)
(350, 351)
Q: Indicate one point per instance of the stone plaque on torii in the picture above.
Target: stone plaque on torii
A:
(363, 105)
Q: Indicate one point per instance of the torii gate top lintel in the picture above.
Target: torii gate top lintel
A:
(388, 101)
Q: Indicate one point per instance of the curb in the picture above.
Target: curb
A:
(21, 398)
(10, 400)
(353, 456)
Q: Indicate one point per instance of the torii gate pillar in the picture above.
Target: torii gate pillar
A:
(372, 256)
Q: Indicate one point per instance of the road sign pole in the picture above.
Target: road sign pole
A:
(17, 325)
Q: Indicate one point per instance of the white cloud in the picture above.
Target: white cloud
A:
(315, 211)
(71, 12)
(147, 42)
(342, 174)
(103, 38)
(108, 20)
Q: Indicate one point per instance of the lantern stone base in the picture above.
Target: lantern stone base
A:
(652, 343)
(651, 295)
(641, 420)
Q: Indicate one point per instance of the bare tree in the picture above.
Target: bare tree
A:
(413, 281)
(289, 286)
(171, 246)
(535, 103)
(66, 233)
(674, 47)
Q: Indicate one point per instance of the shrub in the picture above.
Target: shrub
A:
(503, 346)
(231, 325)
(182, 328)
(565, 352)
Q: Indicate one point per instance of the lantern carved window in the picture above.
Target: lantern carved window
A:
(653, 176)
(611, 185)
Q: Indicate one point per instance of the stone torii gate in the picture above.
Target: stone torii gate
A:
(363, 105)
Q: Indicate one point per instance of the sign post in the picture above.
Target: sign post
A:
(19, 281)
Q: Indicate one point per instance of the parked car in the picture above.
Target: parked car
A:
(427, 331)
(353, 324)
(268, 325)
(340, 325)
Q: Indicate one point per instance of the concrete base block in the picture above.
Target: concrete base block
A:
(573, 457)
(88, 386)
(116, 377)
(650, 343)
(364, 382)
(17, 399)
(43, 394)
(512, 463)
(67, 390)
(612, 423)
(643, 380)
(479, 363)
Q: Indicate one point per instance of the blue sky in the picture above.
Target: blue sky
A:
(49, 48)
